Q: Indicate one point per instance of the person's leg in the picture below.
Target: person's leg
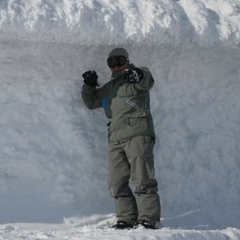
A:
(119, 174)
(139, 152)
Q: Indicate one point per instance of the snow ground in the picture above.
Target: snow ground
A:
(97, 227)
(53, 175)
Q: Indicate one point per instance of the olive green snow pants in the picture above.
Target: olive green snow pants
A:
(134, 159)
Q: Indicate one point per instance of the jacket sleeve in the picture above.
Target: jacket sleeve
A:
(147, 82)
(92, 97)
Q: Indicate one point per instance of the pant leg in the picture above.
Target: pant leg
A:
(119, 175)
(139, 152)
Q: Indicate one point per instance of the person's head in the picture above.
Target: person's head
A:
(118, 59)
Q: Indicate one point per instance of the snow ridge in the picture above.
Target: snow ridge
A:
(104, 22)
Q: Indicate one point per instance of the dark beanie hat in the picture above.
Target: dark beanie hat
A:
(118, 52)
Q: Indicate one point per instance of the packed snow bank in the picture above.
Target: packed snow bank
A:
(106, 22)
(53, 150)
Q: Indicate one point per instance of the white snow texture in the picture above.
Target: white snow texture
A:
(53, 150)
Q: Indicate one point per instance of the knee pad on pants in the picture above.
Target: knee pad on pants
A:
(118, 192)
(150, 187)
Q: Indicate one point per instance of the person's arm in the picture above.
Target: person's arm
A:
(147, 80)
(92, 96)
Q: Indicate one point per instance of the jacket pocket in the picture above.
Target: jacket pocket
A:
(139, 123)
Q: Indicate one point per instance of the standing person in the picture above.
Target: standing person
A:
(126, 102)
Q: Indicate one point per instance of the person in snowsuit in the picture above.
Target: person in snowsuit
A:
(126, 102)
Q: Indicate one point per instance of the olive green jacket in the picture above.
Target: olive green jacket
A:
(126, 105)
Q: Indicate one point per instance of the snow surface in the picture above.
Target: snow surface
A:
(53, 150)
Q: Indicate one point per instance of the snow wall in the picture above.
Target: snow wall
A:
(53, 150)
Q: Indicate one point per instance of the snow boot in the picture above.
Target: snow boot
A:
(122, 225)
(146, 224)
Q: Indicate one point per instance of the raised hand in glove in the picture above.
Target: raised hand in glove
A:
(133, 75)
(90, 78)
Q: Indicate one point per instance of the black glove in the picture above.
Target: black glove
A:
(90, 78)
(133, 75)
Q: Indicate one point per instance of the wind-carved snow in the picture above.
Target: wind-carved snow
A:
(53, 150)
(204, 22)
